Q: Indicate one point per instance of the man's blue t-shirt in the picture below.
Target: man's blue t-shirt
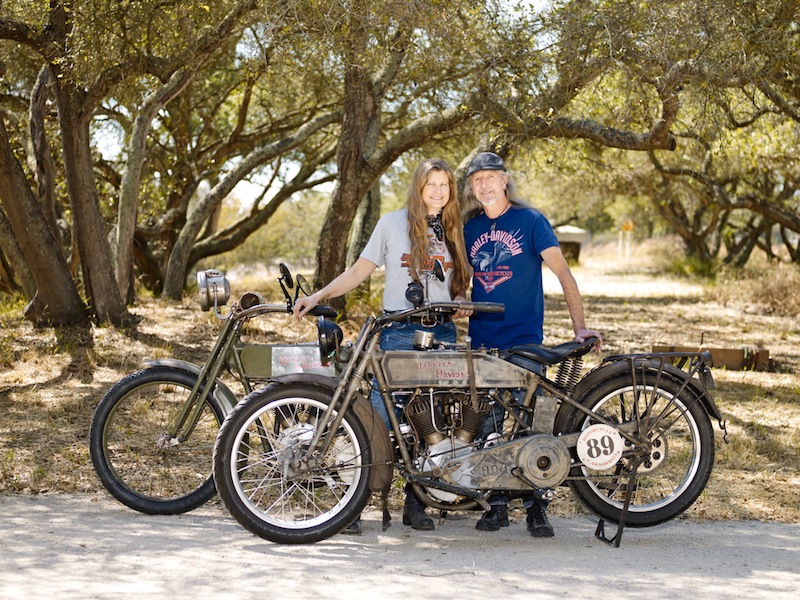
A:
(506, 258)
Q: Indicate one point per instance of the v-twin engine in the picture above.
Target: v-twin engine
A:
(445, 424)
(447, 428)
(437, 415)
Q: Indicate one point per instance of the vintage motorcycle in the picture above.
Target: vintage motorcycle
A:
(297, 460)
(152, 434)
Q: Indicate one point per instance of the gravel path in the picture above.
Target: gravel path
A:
(59, 546)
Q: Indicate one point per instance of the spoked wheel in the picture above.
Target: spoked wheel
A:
(137, 461)
(671, 472)
(263, 479)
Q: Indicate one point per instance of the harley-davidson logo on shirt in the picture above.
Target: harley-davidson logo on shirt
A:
(489, 251)
(436, 251)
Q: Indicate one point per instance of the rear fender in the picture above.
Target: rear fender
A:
(613, 369)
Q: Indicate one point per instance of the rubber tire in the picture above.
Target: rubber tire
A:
(697, 474)
(258, 410)
(140, 495)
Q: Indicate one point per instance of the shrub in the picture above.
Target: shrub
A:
(771, 288)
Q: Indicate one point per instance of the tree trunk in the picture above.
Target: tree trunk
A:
(369, 211)
(45, 171)
(95, 253)
(14, 272)
(355, 176)
(56, 301)
(129, 190)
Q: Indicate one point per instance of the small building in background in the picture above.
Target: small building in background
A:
(571, 238)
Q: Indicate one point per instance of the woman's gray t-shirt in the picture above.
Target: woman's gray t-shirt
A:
(390, 246)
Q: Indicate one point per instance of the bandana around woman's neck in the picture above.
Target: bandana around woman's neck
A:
(435, 223)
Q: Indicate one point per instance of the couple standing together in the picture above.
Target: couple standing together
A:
(500, 245)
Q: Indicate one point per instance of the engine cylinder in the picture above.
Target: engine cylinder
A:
(427, 419)
(470, 418)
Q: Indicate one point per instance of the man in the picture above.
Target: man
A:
(507, 241)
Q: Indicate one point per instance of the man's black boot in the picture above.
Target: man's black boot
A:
(414, 513)
(538, 524)
(493, 519)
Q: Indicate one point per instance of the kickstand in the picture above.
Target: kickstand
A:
(387, 518)
(600, 531)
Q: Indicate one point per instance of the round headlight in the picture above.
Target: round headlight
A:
(330, 336)
(212, 284)
(415, 294)
(250, 299)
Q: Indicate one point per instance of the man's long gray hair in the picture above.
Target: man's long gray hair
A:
(471, 206)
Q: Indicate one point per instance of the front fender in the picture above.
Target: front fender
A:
(223, 394)
(382, 452)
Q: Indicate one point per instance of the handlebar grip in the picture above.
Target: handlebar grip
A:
(489, 307)
(323, 310)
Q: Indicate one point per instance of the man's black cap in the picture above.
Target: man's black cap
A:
(485, 161)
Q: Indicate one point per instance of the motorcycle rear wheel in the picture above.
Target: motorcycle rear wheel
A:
(132, 455)
(679, 465)
(265, 492)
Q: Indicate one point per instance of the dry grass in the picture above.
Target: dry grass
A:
(50, 382)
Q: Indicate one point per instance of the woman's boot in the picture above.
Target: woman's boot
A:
(414, 512)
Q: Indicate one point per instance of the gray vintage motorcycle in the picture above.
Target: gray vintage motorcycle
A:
(632, 438)
(152, 434)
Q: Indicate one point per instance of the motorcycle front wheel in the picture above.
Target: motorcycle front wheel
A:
(135, 458)
(264, 483)
(681, 456)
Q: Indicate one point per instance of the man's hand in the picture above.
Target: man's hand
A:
(584, 334)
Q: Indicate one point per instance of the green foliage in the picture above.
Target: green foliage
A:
(515, 69)
(291, 235)
(691, 266)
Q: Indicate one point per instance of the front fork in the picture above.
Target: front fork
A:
(188, 417)
(349, 382)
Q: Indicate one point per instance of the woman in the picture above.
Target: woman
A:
(408, 242)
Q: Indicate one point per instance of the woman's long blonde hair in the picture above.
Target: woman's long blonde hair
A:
(452, 222)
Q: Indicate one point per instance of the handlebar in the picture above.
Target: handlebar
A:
(323, 310)
(442, 308)
(260, 309)
(489, 307)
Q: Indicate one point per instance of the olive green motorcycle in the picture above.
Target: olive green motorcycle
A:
(152, 434)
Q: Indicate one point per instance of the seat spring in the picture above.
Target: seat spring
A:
(569, 373)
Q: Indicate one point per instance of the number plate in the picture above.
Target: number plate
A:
(599, 447)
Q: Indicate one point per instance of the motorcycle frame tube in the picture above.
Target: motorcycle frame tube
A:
(348, 382)
(190, 412)
(549, 387)
(375, 363)
(219, 356)
(222, 393)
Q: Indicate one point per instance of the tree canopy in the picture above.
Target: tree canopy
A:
(126, 125)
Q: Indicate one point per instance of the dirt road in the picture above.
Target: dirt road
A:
(59, 546)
